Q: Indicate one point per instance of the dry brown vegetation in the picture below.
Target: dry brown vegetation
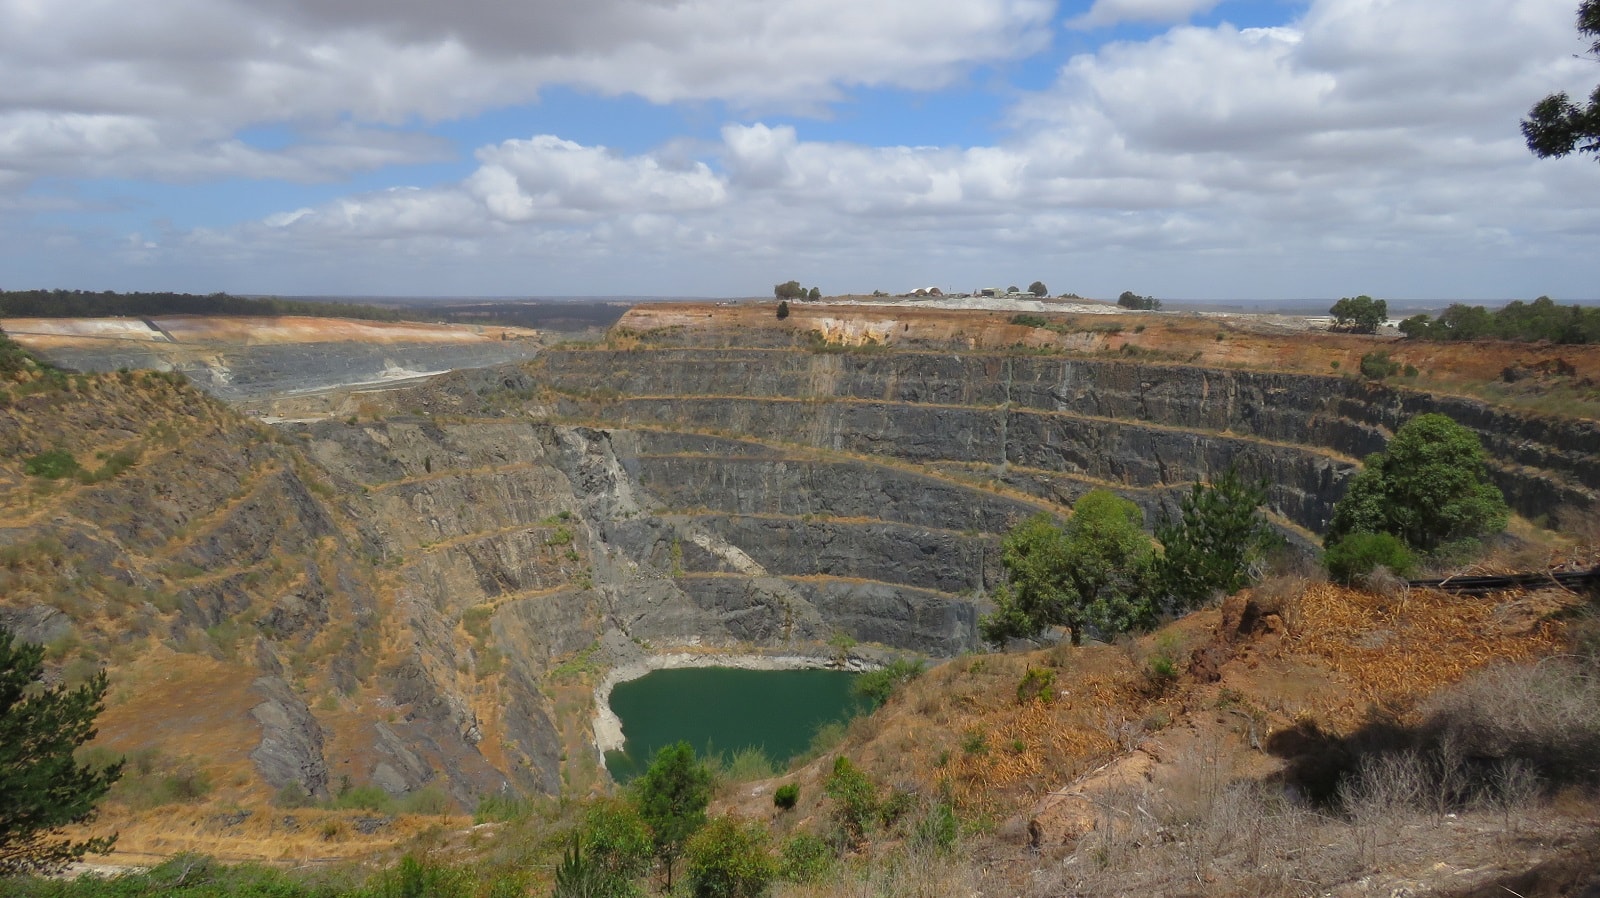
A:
(1322, 740)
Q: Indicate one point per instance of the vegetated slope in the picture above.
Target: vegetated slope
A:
(1204, 759)
(421, 597)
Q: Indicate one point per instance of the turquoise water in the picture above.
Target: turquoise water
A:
(726, 709)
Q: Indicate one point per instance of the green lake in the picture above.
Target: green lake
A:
(726, 709)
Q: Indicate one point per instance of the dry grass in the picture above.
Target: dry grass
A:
(1467, 798)
(1396, 651)
(301, 836)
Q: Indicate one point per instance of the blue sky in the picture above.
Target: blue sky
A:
(1187, 148)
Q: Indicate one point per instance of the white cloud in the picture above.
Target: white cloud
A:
(1371, 146)
(1111, 12)
(117, 88)
(525, 180)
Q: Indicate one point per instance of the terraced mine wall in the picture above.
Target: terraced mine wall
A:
(424, 597)
(1134, 426)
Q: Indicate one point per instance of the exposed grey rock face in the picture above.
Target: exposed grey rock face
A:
(599, 505)
(290, 750)
(401, 770)
(37, 623)
(1135, 424)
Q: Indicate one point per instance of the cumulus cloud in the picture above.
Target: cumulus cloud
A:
(114, 87)
(1370, 144)
(1111, 12)
(525, 180)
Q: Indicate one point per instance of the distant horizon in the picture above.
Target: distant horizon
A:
(1295, 305)
(1439, 302)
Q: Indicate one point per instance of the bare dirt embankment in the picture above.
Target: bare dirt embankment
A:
(240, 358)
(46, 333)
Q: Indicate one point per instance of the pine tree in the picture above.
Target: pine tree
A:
(1217, 543)
(42, 787)
(672, 796)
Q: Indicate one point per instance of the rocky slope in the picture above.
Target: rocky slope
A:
(421, 595)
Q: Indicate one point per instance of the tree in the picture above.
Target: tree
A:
(1542, 319)
(1132, 300)
(815, 294)
(1362, 314)
(789, 290)
(42, 787)
(783, 310)
(730, 858)
(1013, 289)
(1556, 126)
(1429, 488)
(1218, 542)
(1037, 288)
(1095, 572)
(672, 796)
(615, 848)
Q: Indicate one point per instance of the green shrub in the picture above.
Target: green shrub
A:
(1038, 684)
(1377, 365)
(151, 780)
(431, 801)
(825, 739)
(938, 829)
(746, 764)
(856, 806)
(364, 798)
(876, 686)
(729, 858)
(805, 858)
(618, 843)
(786, 796)
(292, 795)
(422, 878)
(52, 465)
(1162, 669)
(119, 461)
(1030, 320)
(502, 808)
(1360, 553)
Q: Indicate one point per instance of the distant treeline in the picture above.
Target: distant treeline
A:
(1541, 319)
(562, 315)
(78, 304)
